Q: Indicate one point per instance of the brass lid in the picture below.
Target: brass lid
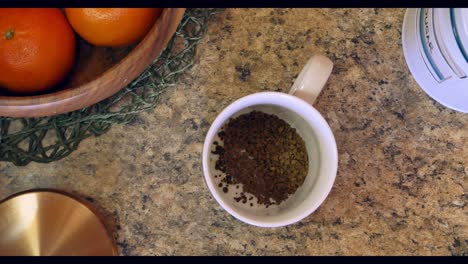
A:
(51, 223)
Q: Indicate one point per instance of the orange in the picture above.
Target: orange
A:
(112, 26)
(37, 48)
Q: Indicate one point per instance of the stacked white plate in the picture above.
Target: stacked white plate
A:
(435, 45)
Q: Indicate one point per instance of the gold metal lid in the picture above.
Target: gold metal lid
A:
(51, 223)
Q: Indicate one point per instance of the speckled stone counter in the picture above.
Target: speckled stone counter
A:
(401, 186)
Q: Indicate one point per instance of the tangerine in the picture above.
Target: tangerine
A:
(37, 49)
(112, 27)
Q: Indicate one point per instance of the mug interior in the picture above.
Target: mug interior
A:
(299, 204)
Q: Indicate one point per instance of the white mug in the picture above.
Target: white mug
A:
(296, 109)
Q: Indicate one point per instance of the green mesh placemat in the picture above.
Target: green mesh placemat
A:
(47, 139)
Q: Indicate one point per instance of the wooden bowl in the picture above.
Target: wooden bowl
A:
(98, 74)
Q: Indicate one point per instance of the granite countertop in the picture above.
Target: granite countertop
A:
(402, 177)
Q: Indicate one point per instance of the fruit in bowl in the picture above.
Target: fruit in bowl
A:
(104, 50)
(37, 49)
(112, 27)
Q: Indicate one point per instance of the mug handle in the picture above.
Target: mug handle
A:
(312, 78)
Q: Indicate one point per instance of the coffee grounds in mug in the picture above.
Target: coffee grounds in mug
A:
(264, 154)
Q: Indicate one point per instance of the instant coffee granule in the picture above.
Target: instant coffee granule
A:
(264, 154)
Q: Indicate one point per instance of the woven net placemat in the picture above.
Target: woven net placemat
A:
(48, 139)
